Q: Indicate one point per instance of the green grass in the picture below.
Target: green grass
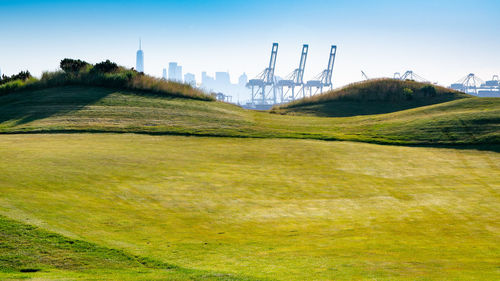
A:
(470, 121)
(269, 208)
(31, 252)
(24, 248)
(271, 202)
(371, 97)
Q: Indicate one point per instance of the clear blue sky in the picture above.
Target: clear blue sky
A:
(440, 40)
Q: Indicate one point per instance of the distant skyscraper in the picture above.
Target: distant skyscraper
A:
(190, 79)
(204, 77)
(242, 81)
(172, 70)
(222, 78)
(139, 65)
(178, 73)
(222, 85)
(164, 76)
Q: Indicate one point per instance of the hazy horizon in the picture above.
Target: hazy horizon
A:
(378, 37)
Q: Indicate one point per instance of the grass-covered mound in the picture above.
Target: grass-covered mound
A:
(104, 74)
(371, 97)
(101, 109)
(472, 121)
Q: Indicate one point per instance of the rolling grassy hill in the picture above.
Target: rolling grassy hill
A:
(279, 209)
(466, 121)
(371, 97)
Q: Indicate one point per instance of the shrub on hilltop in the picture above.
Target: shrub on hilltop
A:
(105, 67)
(73, 66)
(16, 81)
(103, 74)
(22, 76)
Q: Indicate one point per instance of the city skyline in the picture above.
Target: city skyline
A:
(378, 37)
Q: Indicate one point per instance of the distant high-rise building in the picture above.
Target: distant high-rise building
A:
(190, 79)
(178, 73)
(222, 78)
(243, 80)
(222, 85)
(172, 70)
(139, 64)
(164, 76)
(204, 77)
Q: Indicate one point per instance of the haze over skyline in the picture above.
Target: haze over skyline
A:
(441, 41)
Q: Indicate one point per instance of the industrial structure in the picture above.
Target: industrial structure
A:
(324, 79)
(223, 97)
(266, 79)
(410, 75)
(294, 79)
(471, 84)
(265, 88)
(364, 76)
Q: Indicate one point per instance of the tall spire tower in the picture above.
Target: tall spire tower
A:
(139, 65)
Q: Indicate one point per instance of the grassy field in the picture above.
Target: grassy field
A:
(280, 209)
(468, 121)
(29, 252)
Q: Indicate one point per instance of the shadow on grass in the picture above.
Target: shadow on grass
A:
(29, 249)
(356, 108)
(26, 107)
(493, 147)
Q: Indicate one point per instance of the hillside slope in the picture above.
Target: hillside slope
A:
(468, 121)
(83, 108)
(31, 252)
(371, 97)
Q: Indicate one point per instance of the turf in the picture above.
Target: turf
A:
(269, 208)
(31, 252)
(468, 121)
(25, 248)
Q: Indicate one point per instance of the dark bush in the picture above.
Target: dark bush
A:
(429, 90)
(105, 67)
(23, 76)
(72, 66)
(408, 93)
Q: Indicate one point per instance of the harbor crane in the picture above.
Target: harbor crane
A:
(324, 79)
(469, 84)
(365, 77)
(410, 75)
(494, 82)
(294, 79)
(264, 79)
